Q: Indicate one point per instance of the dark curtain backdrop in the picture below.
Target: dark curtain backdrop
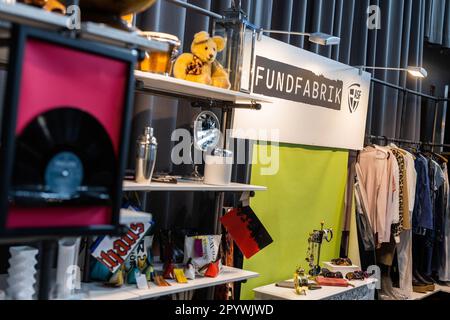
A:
(405, 25)
(437, 22)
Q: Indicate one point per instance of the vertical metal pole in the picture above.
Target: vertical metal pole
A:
(224, 128)
(404, 106)
(444, 118)
(218, 209)
(48, 251)
(436, 111)
(87, 260)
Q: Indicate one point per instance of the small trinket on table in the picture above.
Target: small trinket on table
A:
(189, 270)
(180, 276)
(168, 272)
(315, 241)
(300, 282)
(357, 275)
(160, 281)
(342, 262)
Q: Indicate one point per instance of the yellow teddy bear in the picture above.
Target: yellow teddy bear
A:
(201, 65)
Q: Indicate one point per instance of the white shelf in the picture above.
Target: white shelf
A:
(167, 84)
(29, 15)
(36, 17)
(272, 292)
(102, 33)
(189, 186)
(97, 291)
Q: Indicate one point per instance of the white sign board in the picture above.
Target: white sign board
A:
(316, 101)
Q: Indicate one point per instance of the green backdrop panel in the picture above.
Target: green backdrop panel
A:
(308, 188)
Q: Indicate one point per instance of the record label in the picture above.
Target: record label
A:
(64, 173)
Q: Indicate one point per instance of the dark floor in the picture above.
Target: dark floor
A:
(440, 296)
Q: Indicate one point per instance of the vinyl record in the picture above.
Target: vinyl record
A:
(63, 156)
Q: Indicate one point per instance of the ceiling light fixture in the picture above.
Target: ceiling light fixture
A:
(417, 72)
(319, 38)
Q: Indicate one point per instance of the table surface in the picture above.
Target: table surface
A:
(276, 293)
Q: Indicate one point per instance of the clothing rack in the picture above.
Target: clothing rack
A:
(410, 142)
(409, 91)
(436, 100)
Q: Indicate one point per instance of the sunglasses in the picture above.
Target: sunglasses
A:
(357, 275)
(342, 262)
(335, 275)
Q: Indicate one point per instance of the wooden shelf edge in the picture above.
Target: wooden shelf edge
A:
(189, 187)
(168, 84)
(98, 292)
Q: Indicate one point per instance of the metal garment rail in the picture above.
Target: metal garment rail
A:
(405, 141)
(406, 92)
(409, 91)
(205, 12)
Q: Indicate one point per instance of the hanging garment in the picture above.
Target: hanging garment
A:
(362, 221)
(404, 248)
(411, 181)
(365, 234)
(440, 205)
(393, 208)
(377, 167)
(437, 183)
(353, 244)
(405, 263)
(423, 213)
(444, 266)
(439, 201)
(398, 228)
(386, 252)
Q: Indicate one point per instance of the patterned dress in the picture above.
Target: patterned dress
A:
(398, 228)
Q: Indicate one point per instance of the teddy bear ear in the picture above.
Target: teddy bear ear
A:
(220, 42)
(201, 37)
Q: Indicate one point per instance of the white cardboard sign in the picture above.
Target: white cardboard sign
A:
(316, 101)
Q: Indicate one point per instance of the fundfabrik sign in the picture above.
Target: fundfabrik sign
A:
(284, 81)
(316, 101)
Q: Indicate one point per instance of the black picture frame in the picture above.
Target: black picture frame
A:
(19, 36)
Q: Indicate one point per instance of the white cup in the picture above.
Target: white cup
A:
(218, 170)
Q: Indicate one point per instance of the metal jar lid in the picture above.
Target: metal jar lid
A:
(160, 36)
(147, 137)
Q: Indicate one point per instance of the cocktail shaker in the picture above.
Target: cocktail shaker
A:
(146, 150)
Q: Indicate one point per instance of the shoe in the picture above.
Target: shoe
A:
(420, 278)
(430, 281)
(419, 286)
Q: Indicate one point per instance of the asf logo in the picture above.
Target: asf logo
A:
(354, 97)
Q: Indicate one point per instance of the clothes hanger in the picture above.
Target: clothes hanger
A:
(381, 148)
(437, 155)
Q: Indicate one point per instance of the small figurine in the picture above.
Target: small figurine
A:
(118, 278)
(168, 270)
(300, 282)
(150, 273)
(180, 276)
(189, 270)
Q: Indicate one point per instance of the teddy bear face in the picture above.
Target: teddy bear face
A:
(206, 48)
